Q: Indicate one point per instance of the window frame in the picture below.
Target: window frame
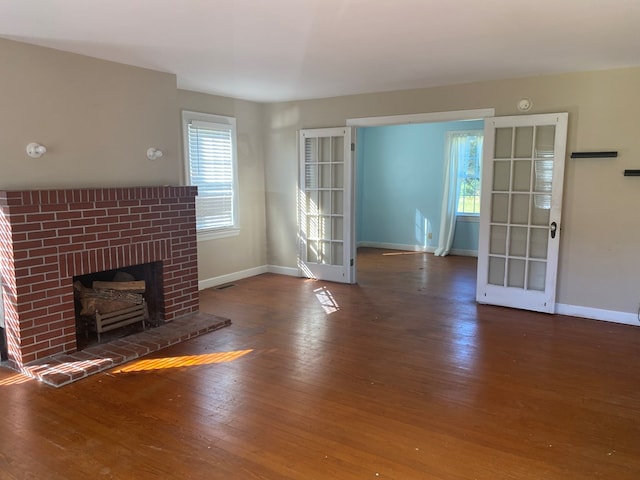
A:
(188, 116)
(468, 216)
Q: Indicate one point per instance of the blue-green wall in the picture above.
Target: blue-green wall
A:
(400, 172)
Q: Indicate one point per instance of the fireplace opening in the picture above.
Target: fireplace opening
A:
(3, 335)
(3, 345)
(115, 303)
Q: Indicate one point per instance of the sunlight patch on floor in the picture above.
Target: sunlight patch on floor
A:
(184, 361)
(327, 302)
(16, 379)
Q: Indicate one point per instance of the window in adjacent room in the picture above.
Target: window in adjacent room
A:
(467, 147)
(211, 165)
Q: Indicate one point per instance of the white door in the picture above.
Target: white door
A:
(521, 199)
(327, 243)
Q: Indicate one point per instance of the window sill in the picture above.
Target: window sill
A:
(205, 235)
(468, 218)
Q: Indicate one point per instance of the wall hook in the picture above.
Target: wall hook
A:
(35, 150)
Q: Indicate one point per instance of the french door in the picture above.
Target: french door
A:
(522, 180)
(325, 203)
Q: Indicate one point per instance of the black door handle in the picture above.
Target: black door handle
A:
(553, 228)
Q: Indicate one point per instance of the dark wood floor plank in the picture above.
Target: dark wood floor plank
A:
(402, 376)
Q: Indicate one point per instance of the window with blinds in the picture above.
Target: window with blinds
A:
(210, 150)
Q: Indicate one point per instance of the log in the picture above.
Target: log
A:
(109, 296)
(113, 295)
(137, 286)
(92, 305)
(104, 300)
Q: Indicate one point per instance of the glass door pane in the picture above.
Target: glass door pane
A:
(521, 196)
(521, 168)
(324, 204)
(324, 180)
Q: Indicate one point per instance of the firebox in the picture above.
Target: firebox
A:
(124, 294)
(48, 237)
(3, 339)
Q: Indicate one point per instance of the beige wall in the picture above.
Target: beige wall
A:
(96, 119)
(599, 260)
(249, 249)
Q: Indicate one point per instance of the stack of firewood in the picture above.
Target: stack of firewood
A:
(107, 297)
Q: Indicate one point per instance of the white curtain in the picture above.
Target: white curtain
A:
(457, 149)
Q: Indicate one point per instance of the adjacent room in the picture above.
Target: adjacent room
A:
(319, 239)
(400, 186)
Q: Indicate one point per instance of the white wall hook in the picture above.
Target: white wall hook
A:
(35, 150)
(153, 153)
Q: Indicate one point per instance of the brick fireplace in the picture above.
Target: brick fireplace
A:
(49, 236)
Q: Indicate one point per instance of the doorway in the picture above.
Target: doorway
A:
(399, 181)
(401, 185)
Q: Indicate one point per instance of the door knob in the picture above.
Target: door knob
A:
(552, 228)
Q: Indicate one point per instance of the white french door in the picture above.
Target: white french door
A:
(325, 203)
(522, 178)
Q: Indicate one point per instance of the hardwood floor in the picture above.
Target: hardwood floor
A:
(402, 376)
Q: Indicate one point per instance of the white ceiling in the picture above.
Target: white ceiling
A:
(276, 50)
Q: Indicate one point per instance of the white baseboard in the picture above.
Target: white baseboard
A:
(251, 272)
(291, 271)
(416, 248)
(397, 246)
(613, 316)
(598, 314)
(231, 277)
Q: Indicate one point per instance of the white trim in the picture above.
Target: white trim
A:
(477, 114)
(290, 271)
(250, 272)
(613, 316)
(397, 246)
(231, 277)
(416, 248)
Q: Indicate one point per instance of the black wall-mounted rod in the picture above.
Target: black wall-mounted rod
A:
(593, 154)
(632, 173)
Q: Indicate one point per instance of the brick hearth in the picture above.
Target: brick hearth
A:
(63, 369)
(49, 236)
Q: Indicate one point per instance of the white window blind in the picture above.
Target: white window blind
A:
(211, 166)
